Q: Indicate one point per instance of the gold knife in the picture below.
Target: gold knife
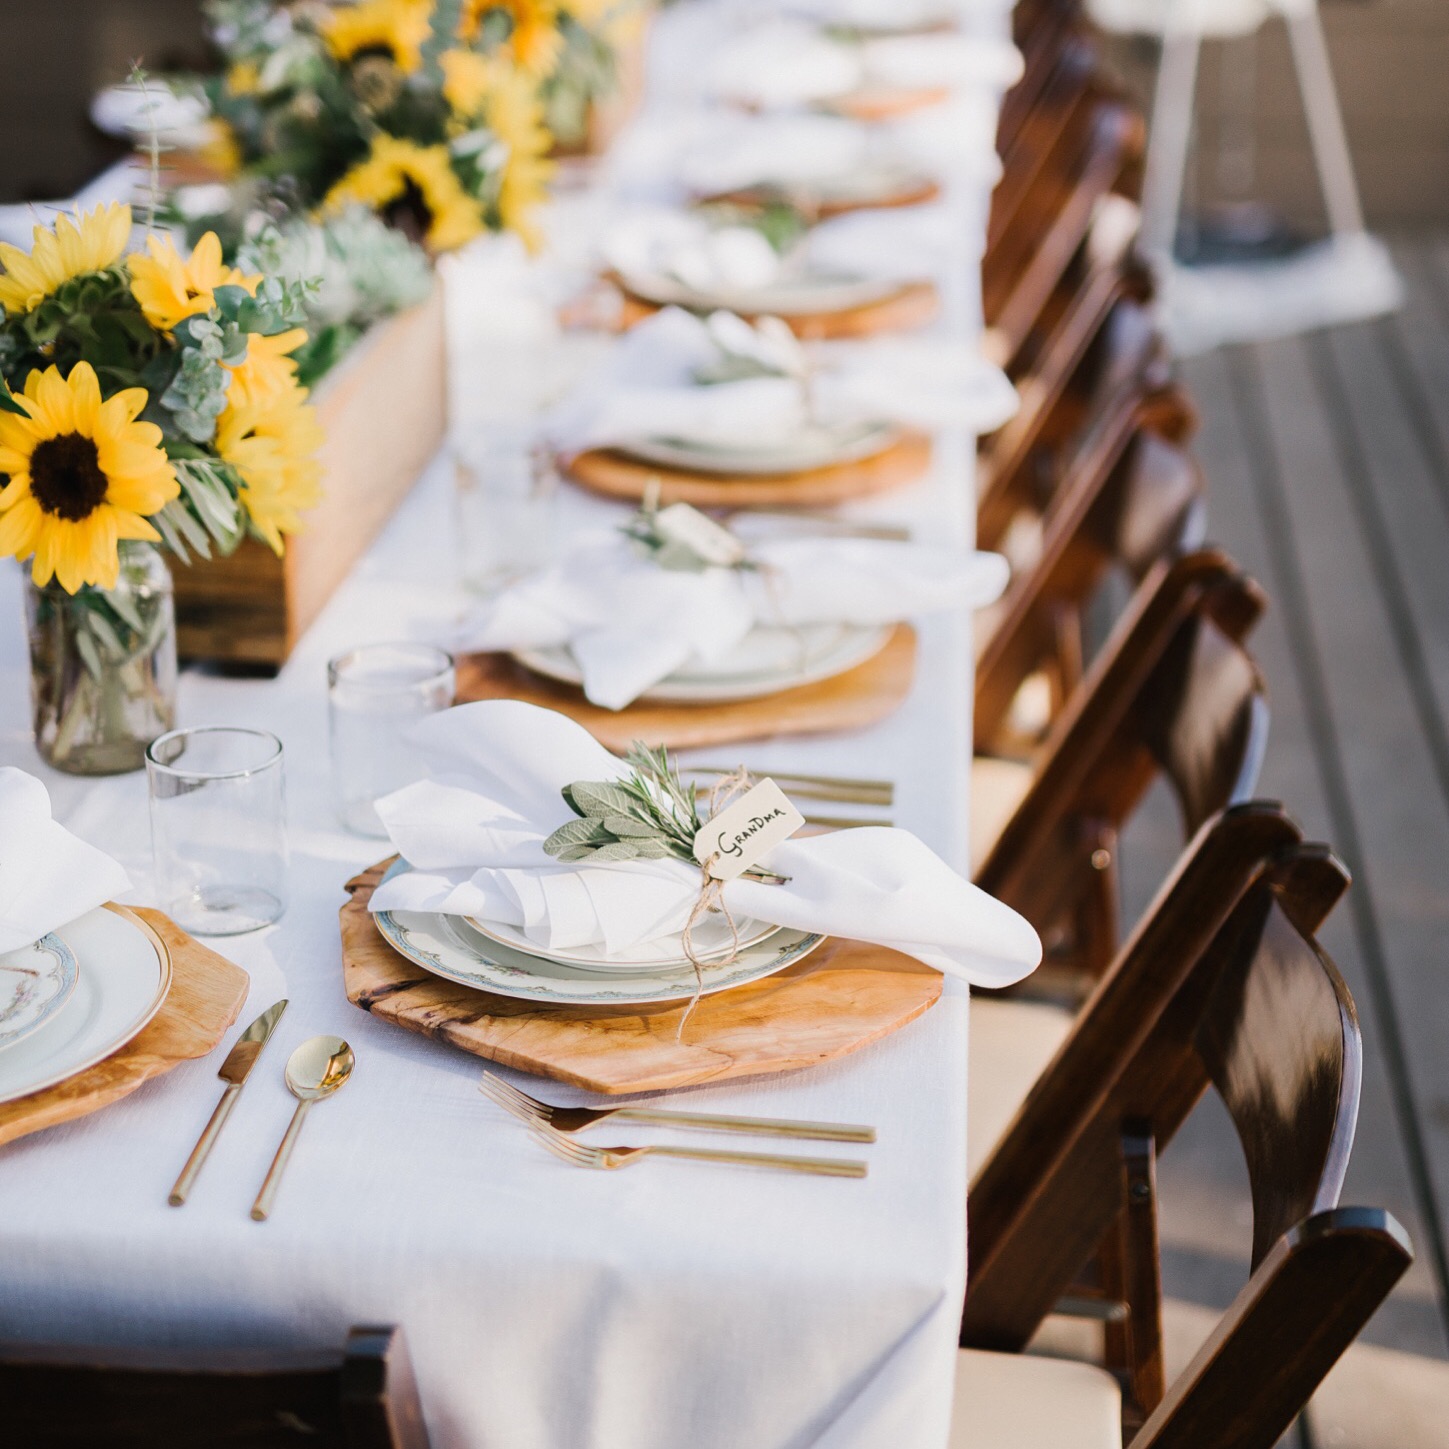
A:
(234, 1071)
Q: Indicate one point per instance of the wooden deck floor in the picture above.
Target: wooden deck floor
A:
(1327, 458)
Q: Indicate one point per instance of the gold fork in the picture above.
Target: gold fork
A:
(604, 1158)
(575, 1119)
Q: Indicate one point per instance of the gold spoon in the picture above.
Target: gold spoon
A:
(315, 1070)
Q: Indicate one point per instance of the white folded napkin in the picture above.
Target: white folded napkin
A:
(784, 62)
(629, 622)
(47, 875)
(950, 61)
(904, 244)
(474, 831)
(647, 386)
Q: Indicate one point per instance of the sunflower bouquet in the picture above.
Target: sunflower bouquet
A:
(427, 112)
(147, 397)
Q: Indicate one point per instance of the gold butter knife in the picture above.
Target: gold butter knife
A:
(234, 1072)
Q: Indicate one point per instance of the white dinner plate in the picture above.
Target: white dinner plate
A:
(801, 294)
(123, 976)
(768, 660)
(815, 446)
(710, 939)
(35, 982)
(448, 947)
(875, 182)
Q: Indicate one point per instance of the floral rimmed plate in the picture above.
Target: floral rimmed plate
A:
(710, 939)
(124, 975)
(768, 660)
(448, 947)
(815, 446)
(35, 982)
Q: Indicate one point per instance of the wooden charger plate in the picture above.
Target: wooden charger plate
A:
(616, 475)
(207, 991)
(914, 305)
(859, 697)
(837, 1000)
(914, 192)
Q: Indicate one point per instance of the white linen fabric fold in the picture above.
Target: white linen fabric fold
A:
(897, 245)
(646, 387)
(800, 150)
(47, 875)
(629, 622)
(474, 831)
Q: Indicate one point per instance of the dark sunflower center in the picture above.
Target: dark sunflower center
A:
(409, 212)
(66, 477)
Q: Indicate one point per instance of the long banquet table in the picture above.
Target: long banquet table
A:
(675, 1304)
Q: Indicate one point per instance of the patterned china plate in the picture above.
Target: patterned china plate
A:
(123, 977)
(35, 982)
(815, 446)
(768, 660)
(808, 294)
(448, 947)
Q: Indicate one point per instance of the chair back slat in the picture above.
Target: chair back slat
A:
(1304, 1305)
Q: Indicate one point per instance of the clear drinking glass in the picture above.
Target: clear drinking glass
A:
(506, 481)
(374, 694)
(219, 828)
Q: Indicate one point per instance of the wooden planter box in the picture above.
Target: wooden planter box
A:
(383, 411)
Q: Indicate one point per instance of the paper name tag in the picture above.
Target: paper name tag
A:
(742, 834)
(711, 543)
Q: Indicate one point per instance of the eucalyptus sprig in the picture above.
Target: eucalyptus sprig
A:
(679, 550)
(649, 814)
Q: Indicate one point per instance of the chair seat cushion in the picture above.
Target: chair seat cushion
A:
(1011, 1043)
(997, 788)
(1021, 1401)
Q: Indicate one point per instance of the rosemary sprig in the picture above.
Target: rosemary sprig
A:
(650, 814)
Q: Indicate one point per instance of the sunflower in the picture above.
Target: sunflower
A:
(515, 116)
(221, 152)
(534, 42)
(395, 29)
(411, 185)
(267, 371)
(244, 78)
(84, 474)
(89, 243)
(169, 290)
(271, 439)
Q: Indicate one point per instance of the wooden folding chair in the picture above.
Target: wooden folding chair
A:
(65, 1398)
(1222, 985)
(1173, 693)
(1044, 207)
(1135, 499)
(1103, 361)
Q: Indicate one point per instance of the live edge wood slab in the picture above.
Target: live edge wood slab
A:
(616, 475)
(207, 991)
(837, 1000)
(861, 696)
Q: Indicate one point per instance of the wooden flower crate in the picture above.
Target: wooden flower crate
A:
(383, 411)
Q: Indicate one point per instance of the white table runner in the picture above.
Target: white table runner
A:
(547, 1308)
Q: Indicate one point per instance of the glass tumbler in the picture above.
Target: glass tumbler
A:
(506, 481)
(374, 695)
(219, 828)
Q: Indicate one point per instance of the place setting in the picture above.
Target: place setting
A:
(95, 997)
(620, 925)
(721, 412)
(688, 631)
(855, 275)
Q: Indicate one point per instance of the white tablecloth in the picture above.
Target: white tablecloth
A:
(672, 1305)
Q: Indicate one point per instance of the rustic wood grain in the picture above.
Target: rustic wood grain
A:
(861, 696)
(615, 475)
(837, 1000)
(914, 305)
(382, 410)
(207, 991)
